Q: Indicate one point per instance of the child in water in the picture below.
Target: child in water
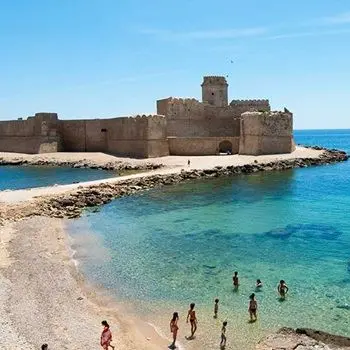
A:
(253, 306)
(173, 329)
(193, 319)
(216, 308)
(258, 285)
(235, 280)
(223, 335)
(282, 289)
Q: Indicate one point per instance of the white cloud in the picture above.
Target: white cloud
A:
(213, 34)
(308, 34)
(341, 18)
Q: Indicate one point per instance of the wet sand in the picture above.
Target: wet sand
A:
(43, 297)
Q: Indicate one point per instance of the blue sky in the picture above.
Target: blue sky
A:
(107, 58)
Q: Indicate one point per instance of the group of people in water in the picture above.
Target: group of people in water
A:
(252, 309)
(106, 335)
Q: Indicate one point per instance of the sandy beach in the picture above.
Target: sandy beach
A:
(43, 297)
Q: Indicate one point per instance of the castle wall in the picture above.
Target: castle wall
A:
(140, 137)
(199, 146)
(241, 106)
(35, 135)
(266, 133)
(191, 118)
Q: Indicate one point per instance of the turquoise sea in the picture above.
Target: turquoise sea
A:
(160, 250)
(19, 177)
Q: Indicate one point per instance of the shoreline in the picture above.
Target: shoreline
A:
(49, 300)
(38, 274)
(69, 201)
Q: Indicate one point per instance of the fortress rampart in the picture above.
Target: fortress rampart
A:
(182, 126)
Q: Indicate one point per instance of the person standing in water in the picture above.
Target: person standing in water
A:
(223, 335)
(193, 319)
(216, 308)
(235, 280)
(106, 336)
(174, 329)
(253, 306)
(282, 289)
(258, 285)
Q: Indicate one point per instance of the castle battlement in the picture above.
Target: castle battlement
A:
(214, 80)
(249, 102)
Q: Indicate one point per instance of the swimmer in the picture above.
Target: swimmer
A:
(216, 308)
(258, 284)
(193, 319)
(235, 280)
(223, 335)
(253, 306)
(174, 329)
(282, 289)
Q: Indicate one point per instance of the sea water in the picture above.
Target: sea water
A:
(19, 177)
(162, 249)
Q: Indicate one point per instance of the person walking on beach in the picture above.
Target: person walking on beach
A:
(223, 335)
(106, 336)
(253, 306)
(216, 308)
(193, 319)
(235, 280)
(174, 329)
(188, 163)
(282, 289)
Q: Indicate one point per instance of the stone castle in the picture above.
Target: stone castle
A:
(180, 127)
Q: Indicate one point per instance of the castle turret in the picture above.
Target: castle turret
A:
(214, 91)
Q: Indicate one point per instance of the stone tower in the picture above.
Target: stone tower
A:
(214, 91)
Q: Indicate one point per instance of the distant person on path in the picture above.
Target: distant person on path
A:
(282, 289)
(44, 347)
(174, 329)
(253, 306)
(193, 319)
(106, 336)
(188, 163)
(235, 280)
(258, 285)
(216, 308)
(223, 335)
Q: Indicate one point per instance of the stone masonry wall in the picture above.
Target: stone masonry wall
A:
(191, 118)
(37, 134)
(266, 133)
(241, 106)
(140, 136)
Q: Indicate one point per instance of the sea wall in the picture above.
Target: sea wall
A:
(266, 133)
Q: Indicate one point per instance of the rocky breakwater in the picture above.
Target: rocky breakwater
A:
(83, 163)
(303, 339)
(72, 204)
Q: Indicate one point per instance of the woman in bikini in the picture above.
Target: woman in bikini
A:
(193, 319)
(282, 289)
(106, 336)
(253, 306)
(174, 329)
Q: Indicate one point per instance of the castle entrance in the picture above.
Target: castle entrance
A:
(225, 147)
